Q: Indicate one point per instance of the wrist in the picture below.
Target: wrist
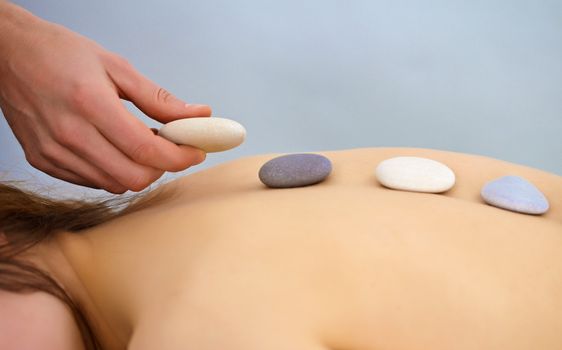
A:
(15, 23)
(10, 13)
(12, 19)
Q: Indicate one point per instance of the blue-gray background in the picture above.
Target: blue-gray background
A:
(481, 77)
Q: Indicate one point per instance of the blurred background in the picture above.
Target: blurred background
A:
(480, 77)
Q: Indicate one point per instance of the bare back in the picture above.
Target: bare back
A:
(226, 263)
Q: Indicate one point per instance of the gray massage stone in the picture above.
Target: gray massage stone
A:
(516, 194)
(295, 170)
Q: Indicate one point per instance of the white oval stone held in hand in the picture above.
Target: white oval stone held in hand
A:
(415, 174)
(210, 134)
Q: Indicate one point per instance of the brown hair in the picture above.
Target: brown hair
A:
(27, 219)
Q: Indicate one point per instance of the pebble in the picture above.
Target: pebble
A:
(208, 134)
(295, 170)
(415, 174)
(516, 194)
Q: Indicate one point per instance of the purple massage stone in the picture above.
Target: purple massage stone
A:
(295, 170)
(516, 194)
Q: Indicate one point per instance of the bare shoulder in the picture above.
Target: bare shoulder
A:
(356, 167)
(36, 321)
(472, 172)
(469, 168)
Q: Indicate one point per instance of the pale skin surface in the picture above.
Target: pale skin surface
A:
(226, 263)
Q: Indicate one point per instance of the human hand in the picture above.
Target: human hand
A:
(60, 93)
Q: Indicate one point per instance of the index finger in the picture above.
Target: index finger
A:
(139, 143)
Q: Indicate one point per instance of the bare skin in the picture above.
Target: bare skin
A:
(225, 263)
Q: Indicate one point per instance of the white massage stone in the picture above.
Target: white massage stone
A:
(415, 174)
(210, 134)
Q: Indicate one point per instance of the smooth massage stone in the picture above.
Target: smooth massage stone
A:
(208, 134)
(295, 170)
(516, 194)
(415, 174)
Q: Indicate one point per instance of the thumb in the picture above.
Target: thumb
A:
(150, 98)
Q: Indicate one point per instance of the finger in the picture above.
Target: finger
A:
(150, 98)
(63, 174)
(200, 154)
(130, 136)
(45, 154)
(49, 168)
(65, 163)
(102, 154)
